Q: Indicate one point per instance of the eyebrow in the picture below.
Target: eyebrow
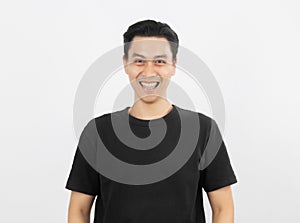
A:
(142, 56)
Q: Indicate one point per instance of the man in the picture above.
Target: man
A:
(150, 61)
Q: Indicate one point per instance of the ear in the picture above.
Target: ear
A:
(174, 64)
(125, 64)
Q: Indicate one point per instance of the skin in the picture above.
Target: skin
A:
(221, 202)
(145, 61)
(80, 207)
(149, 58)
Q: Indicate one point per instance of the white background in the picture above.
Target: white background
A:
(252, 48)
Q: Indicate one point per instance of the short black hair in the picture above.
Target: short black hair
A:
(151, 28)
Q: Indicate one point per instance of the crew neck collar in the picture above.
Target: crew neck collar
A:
(154, 122)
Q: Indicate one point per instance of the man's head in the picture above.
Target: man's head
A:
(150, 54)
(151, 28)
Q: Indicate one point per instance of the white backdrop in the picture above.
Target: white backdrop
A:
(252, 48)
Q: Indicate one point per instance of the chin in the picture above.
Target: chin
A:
(149, 98)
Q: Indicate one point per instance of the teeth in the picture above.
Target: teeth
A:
(149, 85)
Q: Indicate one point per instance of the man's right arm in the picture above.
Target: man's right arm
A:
(80, 207)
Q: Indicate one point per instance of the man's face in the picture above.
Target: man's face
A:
(149, 66)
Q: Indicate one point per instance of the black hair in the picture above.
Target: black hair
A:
(151, 28)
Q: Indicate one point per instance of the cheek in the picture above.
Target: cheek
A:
(166, 71)
(134, 71)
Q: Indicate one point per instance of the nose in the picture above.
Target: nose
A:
(149, 68)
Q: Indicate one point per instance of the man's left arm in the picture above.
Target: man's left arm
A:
(221, 202)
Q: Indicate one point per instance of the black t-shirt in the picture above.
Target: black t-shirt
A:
(176, 199)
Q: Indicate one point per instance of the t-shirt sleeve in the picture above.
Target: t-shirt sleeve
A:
(217, 171)
(83, 177)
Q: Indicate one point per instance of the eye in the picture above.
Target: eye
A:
(139, 61)
(160, 61)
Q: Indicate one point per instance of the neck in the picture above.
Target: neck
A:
(148, 111)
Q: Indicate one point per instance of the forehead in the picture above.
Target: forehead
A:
(150, 46)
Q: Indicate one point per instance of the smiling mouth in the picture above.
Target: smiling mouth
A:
(149, 85)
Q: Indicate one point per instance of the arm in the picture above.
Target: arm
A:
(221, 202)
(80, 207)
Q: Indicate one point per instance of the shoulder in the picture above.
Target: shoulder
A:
(92, 126)
(103, 122)
(108, 115)
(204, 120)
